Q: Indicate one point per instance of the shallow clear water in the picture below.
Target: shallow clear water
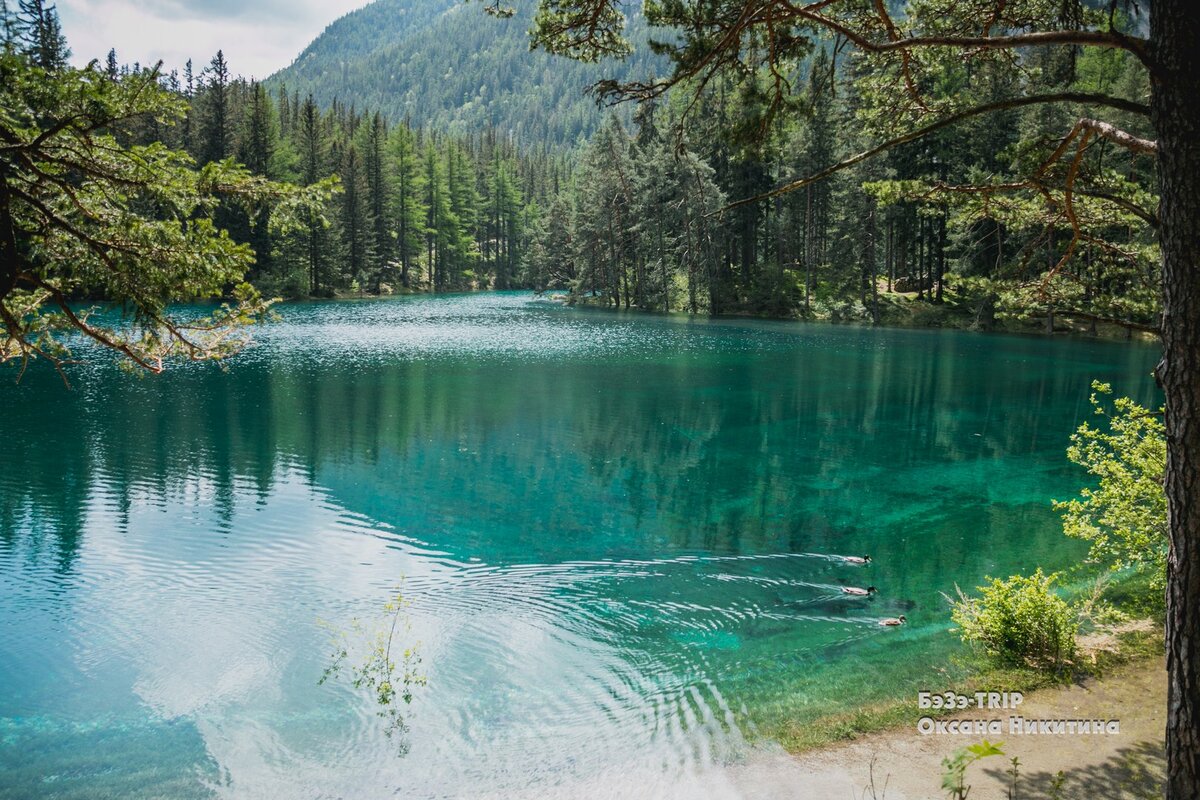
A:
(614, 532)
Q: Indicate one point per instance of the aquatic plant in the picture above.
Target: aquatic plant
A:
(386, 672)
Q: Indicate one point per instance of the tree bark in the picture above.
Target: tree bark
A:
(808, 250)
(872, 268)
(891, 255)
(941, 258)
(9, 256)
(1175, 114)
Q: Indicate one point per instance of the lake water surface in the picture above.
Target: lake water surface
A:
(614, 533)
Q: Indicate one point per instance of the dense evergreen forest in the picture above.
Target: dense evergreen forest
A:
(654, 217)
(417, 210)
(446, 66)
(671, 207)
(641, 222)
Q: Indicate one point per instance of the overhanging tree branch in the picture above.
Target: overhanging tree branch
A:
(1087, 98)
(1107, 39)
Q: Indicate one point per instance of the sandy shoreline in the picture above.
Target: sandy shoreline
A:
(907, 765)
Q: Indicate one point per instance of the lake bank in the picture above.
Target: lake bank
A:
(965, 671)
(906, 765)
(908, 310)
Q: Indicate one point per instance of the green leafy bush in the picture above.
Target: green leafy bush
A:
(1125, 517)
(1019, 621)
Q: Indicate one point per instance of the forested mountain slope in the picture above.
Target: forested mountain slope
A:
(447, 65)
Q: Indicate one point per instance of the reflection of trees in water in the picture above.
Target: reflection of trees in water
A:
(790, 449)
(45, 473)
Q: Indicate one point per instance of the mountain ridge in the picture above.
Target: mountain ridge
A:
(450, 66)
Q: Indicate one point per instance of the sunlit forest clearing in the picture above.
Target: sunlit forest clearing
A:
(579, 399)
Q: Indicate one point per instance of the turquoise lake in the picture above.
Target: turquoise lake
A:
(617, 535)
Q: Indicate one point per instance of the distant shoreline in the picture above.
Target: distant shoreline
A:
(898, 310)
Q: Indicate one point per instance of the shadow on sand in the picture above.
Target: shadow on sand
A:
(1136, 772)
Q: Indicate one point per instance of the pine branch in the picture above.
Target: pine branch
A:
(919, 133)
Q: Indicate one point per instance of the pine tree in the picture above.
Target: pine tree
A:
(215, 128)
(38, 30)
(8, 31)
(504, 228)
(464, 208)
(316, 245)
(357, 222)
(374, 157)
(441, 228)
(552, 258)
(187, 133)
(256, 150)
(257, 142)
(407, 211)
(818, 151)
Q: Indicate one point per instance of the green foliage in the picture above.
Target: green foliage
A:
(1096, 607)
(37, 28)
(641, 221)
(1052, 229)
(84, 213)
(954, 767)
(634, 228)
(137, 191)
(1019, 620)
(418, 210)
(1124, 517)
(372, 660)
(588, 33)
(446, 66)
(1055, 790)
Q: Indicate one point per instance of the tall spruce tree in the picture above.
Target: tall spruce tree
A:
(39, 31)
(407, 209)
(357, 223)
(216, 117)
(374, 149)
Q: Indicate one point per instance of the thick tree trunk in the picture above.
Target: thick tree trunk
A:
(808, 249)
(8, 242)
(1175, 112)
(871, 267)
(941, 258)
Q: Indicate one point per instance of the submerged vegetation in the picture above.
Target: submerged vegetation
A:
(372, 659)
(1029, 632)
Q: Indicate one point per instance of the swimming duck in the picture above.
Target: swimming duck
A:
(893, 621)
(857, 592)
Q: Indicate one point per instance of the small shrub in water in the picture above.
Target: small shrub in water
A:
(388, 674)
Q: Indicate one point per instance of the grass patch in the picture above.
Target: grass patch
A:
(1131, 643)
(902, 712)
